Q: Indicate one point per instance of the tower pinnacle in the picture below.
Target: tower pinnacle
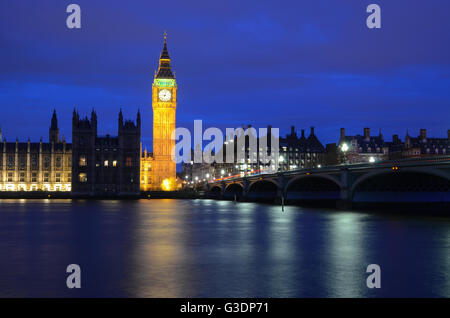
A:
(164, 70)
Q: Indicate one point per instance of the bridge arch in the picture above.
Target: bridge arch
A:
(263, 190)
(234, 183)
(312, 187)
(403, 185)
(215, 191)
(232, 190)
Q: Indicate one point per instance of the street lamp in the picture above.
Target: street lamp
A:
(344, 148)
(371, 159)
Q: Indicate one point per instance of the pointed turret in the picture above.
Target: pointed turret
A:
(164, 70)
(138, 120)
(54, 130)
(54, 124)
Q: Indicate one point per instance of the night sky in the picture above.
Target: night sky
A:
(302, 63)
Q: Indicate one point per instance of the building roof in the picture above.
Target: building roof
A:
(303, 144)
(165, 70)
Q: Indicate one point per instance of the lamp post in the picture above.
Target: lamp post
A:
(344, 148)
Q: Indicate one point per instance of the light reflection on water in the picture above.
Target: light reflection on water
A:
(206, 248)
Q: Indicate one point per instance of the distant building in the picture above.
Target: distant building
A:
(294, 153)
(36, 166)
(362, 148)
(301, 152)
(331, 154)
(105, 165)
(419, 147)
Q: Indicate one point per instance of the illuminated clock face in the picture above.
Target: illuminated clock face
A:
(164, 95)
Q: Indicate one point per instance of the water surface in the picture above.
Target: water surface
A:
(206, 248)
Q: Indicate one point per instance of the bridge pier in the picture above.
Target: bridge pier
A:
(246, 186)
(281, 191)
(345, 201)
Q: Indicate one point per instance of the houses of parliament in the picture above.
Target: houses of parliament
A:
(99, 165)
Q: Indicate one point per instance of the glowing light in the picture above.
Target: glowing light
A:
(371, 159)
(344, 147)
(167, 185)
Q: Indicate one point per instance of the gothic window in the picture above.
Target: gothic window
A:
(11, 162)
(34, 161)
(46, 177)
(58, 177)
(22, 177)
(83, 161)
(82, 177)
(46, 162)
(58, 162)
(128, 162)
(22, 162)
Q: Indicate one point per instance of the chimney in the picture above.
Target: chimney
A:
(342, 133)
(423, 134)
(367, 133)
(312, 131)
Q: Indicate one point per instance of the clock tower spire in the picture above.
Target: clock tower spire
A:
(164, 103)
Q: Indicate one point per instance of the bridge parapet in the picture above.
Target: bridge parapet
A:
(312, 183)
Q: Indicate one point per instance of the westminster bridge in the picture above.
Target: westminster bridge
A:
(408, 180)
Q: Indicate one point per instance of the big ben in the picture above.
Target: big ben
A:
(164, 103)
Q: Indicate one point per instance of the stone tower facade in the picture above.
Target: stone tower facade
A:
(164, 103)
(105, 165)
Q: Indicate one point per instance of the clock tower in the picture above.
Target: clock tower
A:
(164, 103)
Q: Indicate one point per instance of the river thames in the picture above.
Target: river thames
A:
(206, 248)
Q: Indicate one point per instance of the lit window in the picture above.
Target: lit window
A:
(82, 177)
(106, 164)
(114, 163)
(83, 161)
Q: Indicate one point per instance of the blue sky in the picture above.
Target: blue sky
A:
(302, 63)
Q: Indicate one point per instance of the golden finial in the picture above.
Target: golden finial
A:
(165, 35)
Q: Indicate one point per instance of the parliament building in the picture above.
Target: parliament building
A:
(94, 165)
(36, 166)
